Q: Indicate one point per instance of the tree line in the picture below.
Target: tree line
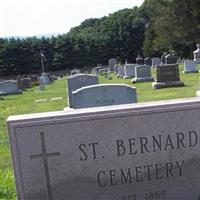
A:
(154, 28)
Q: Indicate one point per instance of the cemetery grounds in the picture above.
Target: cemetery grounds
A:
(25, 103)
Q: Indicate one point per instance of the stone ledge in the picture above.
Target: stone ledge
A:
(188, 71)
(159, 85)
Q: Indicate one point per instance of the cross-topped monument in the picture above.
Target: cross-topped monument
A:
(44, 155)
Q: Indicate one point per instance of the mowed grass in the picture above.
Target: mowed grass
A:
(25, 103)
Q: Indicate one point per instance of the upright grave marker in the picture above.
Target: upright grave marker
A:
(9, 87)
(142, 74)
(167, 76)
(104, 95)
(77, 81)
(129, 70)
(120, 71)
(136, 151)
(196, 54)
(156, 61)
(111, 63)
(189, 67)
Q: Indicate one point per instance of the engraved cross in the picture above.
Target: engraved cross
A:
(44, 155)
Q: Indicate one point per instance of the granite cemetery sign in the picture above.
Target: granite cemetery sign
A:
(167, 76)
(77, 81)
(129, 152)
(104, 95)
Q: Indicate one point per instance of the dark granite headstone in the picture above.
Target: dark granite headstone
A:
(148, 61)
(167, 76)
(170, 59)
(140, 60)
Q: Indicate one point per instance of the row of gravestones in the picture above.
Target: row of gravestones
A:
(167, 74)
(17, 86)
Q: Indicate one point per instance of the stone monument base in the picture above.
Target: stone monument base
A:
(143, 79)
(126, 77)
(159, 85)
(189, 71)
(10, 93)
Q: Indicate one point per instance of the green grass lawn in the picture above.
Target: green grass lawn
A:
(25, 103)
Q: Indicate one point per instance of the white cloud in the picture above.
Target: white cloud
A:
(33, 17)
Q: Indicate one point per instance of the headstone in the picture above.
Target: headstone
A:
(34, 80)
(170, 59)
(27, 83)
(44, 79)
(189, 66)
(167, 76)
(156, 61)
(77, 81)
(196, 54)
(75, 71)
(104, 95)
(120, 71)
(97, 69)
(140, 60)
(129, 152)
(20, 82)
(116, 68)
(162, 59)
(9, 87)
(129, 70)
(148, 61)
(51, 78)
(111, 63)
(142, 74)
(103, 71)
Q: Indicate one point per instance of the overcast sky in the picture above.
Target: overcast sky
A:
(35, 17)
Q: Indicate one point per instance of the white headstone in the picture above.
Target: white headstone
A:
(77, 81)
(129, 70)
(189, 66)
(111, 63)
(156, 61)
(104, 95)
(44, 79)
(197, 54)
(120, 71)
(9, 87)
(142, 74)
